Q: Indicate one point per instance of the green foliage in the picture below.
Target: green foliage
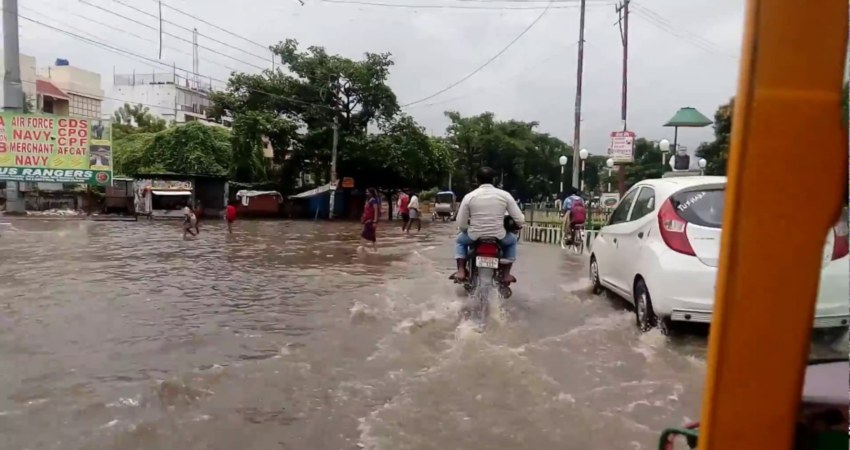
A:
(526, 159)
(193, 148)
(716, 153)
(131, 119)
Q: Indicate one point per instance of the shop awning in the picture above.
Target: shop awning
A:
(171, 192)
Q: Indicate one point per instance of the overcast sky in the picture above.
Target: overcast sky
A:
(681, 53)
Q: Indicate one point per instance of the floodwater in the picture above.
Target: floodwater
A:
(283, 336)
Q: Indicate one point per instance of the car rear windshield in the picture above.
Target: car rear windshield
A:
(702, 207)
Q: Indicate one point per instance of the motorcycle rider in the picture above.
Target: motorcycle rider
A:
(482, 215)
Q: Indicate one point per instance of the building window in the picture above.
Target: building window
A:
(85, 107)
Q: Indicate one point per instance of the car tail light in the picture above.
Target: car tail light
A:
(487, 249)
(841, 244)
(673, 229)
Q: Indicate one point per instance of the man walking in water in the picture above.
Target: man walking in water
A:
(403, 209)
(482, 215)
(414, 213)
(189, 221)
(371, 214)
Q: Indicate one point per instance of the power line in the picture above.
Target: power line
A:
(466, 7)
(169, 34)
(658, 21)
(486, 63)
(516, 75)
(154, 61)
(179, 11)
(141, 11)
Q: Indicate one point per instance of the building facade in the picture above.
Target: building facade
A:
(82, 88)
(166, 95)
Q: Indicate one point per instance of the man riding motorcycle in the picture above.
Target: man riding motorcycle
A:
(482, 215)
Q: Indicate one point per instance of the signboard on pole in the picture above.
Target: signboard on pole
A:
(55, 149)
(622, 148)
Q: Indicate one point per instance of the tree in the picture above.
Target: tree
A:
(193, 148)
(295, 106)
(130, 119)
(526, 160)
(716, 153)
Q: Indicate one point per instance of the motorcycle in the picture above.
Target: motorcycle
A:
(484, 273)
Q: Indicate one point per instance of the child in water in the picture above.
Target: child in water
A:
(190, 221)
(230, 216)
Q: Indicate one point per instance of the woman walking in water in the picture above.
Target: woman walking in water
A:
(371, 214)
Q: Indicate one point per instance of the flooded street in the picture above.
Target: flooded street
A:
(124, 336)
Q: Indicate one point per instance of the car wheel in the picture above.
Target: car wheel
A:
(644, 314)
(594, 276)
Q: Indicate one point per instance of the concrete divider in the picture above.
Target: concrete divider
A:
(552, 235)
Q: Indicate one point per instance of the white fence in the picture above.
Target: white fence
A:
(552, 235)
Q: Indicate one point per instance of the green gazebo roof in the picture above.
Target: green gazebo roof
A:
(688, 117)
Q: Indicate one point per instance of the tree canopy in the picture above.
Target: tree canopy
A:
(193, 148)
(716, 153)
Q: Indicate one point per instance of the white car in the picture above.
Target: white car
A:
(661, 246)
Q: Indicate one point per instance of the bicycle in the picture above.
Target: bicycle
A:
(574, 239)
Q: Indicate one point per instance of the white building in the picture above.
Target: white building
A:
(167, 95)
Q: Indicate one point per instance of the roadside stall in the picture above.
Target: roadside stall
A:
(162, 199)
(259, 203)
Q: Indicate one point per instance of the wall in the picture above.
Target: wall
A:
(74, 80)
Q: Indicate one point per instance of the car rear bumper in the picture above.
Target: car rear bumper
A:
(822, 320)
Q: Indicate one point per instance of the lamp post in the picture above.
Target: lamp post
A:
(702, 163)
(563, 161)
(664, 146)
(610, 164)
(582, 154)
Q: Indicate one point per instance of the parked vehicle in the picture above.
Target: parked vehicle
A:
(660, 250)
(444, 206)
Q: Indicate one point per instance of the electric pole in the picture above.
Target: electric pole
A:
(334, 150)
(623, 23)
(577, 135)
(13, 93)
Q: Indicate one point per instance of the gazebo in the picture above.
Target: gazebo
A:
(686, 117)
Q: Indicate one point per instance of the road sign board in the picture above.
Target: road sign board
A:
(622, 148)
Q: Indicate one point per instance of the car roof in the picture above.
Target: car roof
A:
(667, 186)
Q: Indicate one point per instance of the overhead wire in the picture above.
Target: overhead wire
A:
(533, 65)
(486, 63)
(659, 22)
(574, 4)
(217, 41)
(138, 22)
(205, 22)
(119, 50)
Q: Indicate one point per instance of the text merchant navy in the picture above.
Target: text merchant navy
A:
(35, 139)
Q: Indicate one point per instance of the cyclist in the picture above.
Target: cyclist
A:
(574, 213)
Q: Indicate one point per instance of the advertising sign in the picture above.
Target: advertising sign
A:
(622, 148)
(609, 200)
(55, 149)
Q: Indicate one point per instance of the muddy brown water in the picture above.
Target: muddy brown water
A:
(283, 336)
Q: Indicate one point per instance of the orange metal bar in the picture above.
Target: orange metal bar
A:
(787, 174)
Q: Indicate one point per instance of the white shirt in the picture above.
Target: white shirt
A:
(482, 212)
(414, 202)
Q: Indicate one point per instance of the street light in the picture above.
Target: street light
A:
(610, 164)
(563, 161)
(702, 163)
(664, 146)
(582, 154)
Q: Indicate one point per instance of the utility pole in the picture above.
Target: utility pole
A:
(577, 135)
(160, 29)
(13, 93)
(333, 160)
(623, 23)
